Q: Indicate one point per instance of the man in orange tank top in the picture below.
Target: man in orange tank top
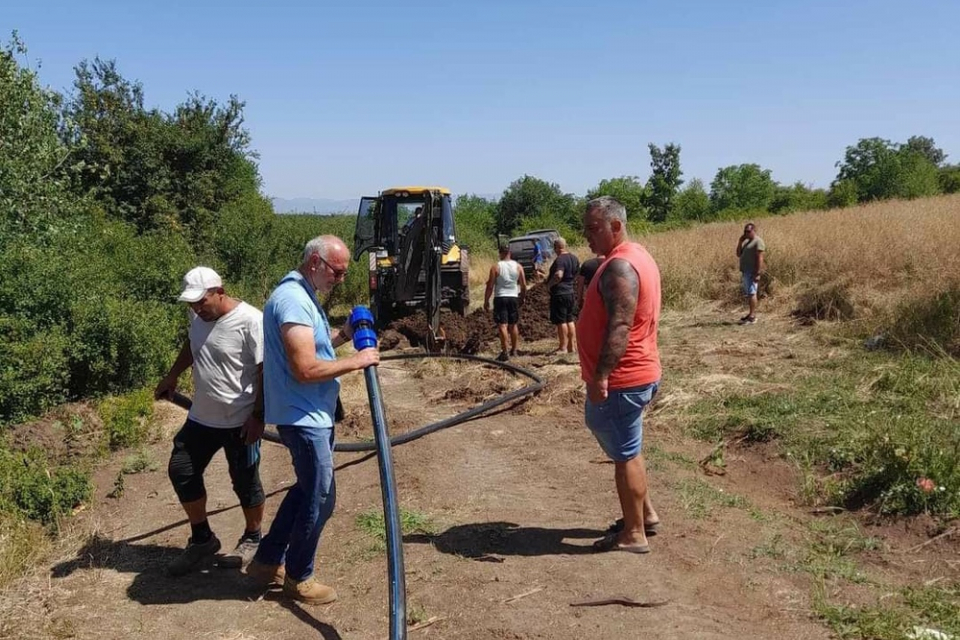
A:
(620, 363)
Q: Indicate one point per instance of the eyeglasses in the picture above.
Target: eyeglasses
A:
(337, 273)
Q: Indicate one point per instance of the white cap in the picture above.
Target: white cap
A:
(196, 283)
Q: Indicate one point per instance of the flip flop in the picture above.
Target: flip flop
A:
(649, 528)
(609, 543)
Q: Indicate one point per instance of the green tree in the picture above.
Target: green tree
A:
(664, 182)
(34, 195)
(693, 202)
(881, 169)
(528, 198)
(843, 193)
(798, 197)
(744, 187)
(917, 176)
(927, 148)
(950, 178)
(476, 221)
(155, 170)
(628, 190)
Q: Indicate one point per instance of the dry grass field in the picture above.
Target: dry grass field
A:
(882, 253)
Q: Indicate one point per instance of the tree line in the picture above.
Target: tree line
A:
(872, 169)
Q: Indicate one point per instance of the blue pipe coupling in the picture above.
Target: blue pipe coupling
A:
(361, 321)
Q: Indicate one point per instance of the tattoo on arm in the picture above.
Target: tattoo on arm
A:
(619, 288)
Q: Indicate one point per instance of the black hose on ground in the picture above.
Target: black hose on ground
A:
(535, 386)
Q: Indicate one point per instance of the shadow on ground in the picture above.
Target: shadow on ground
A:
(506, 539)
(152, 586)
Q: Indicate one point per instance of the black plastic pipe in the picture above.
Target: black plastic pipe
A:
(391, 510)
(362, 447)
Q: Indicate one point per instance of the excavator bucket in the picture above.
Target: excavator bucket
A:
(437, 342)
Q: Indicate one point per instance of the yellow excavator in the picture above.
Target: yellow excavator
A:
(415, 259)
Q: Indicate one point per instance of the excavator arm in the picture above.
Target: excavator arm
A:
(421, 251)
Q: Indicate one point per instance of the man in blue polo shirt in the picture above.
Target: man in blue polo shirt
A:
(300, 373)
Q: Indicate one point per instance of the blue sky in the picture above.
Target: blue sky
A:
(346, 98)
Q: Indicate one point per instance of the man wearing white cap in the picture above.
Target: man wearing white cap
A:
(225, 348)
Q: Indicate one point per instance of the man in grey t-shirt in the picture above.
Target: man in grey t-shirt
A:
(563, 302)
(225, 349)
(750, 248)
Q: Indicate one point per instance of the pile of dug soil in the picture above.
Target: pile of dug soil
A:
(470, 333)
(535, 315)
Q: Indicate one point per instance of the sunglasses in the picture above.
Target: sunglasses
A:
(337, 273)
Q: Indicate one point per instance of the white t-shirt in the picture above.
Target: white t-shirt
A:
(226, 353)
(508, 274)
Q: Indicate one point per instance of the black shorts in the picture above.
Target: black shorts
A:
(506, 310)
(563, 308)
(193, 448)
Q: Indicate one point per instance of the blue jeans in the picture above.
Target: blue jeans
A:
(295, 531)
(748, 285)
(617, 422)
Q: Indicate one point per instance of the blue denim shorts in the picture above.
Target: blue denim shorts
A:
(617, 422)
(749, 285)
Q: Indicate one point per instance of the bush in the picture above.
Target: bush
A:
(121, 343)
(550, 221)
(950, 179)
(880, 430)
(931, 324)
(150, 266)
(825, 302)
(126, 419)
(880, 169)
(843, 193)
(39, 491)
(798, 197)
(628, 190)
(243, 240)
(476, 220)
(693, 202)
(35, 281)
(742, 188)
(901, 469)
(35, 372)
(529, 199)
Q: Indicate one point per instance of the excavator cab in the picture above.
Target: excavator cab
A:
(414, 258)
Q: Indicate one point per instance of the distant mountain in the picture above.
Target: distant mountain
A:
(315, 205)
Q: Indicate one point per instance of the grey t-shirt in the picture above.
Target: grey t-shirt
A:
(570, 266)
(226, 355)
(748, 254)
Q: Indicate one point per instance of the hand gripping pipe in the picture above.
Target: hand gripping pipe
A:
(364, 337)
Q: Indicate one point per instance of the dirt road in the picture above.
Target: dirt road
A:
(507, 506)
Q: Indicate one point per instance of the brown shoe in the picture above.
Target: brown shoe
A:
(309, 591)
(266, 573)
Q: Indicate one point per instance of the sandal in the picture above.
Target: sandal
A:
(649, 528)
(609, 543)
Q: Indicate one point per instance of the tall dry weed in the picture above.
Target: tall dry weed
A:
(885, 253)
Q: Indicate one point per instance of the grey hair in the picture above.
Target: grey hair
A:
(610, 207)
(316, 245)
(560, 242)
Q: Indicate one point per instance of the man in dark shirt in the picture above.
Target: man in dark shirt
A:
(563, 303)
(587, 270)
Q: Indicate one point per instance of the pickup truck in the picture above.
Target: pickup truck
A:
(522, 249)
